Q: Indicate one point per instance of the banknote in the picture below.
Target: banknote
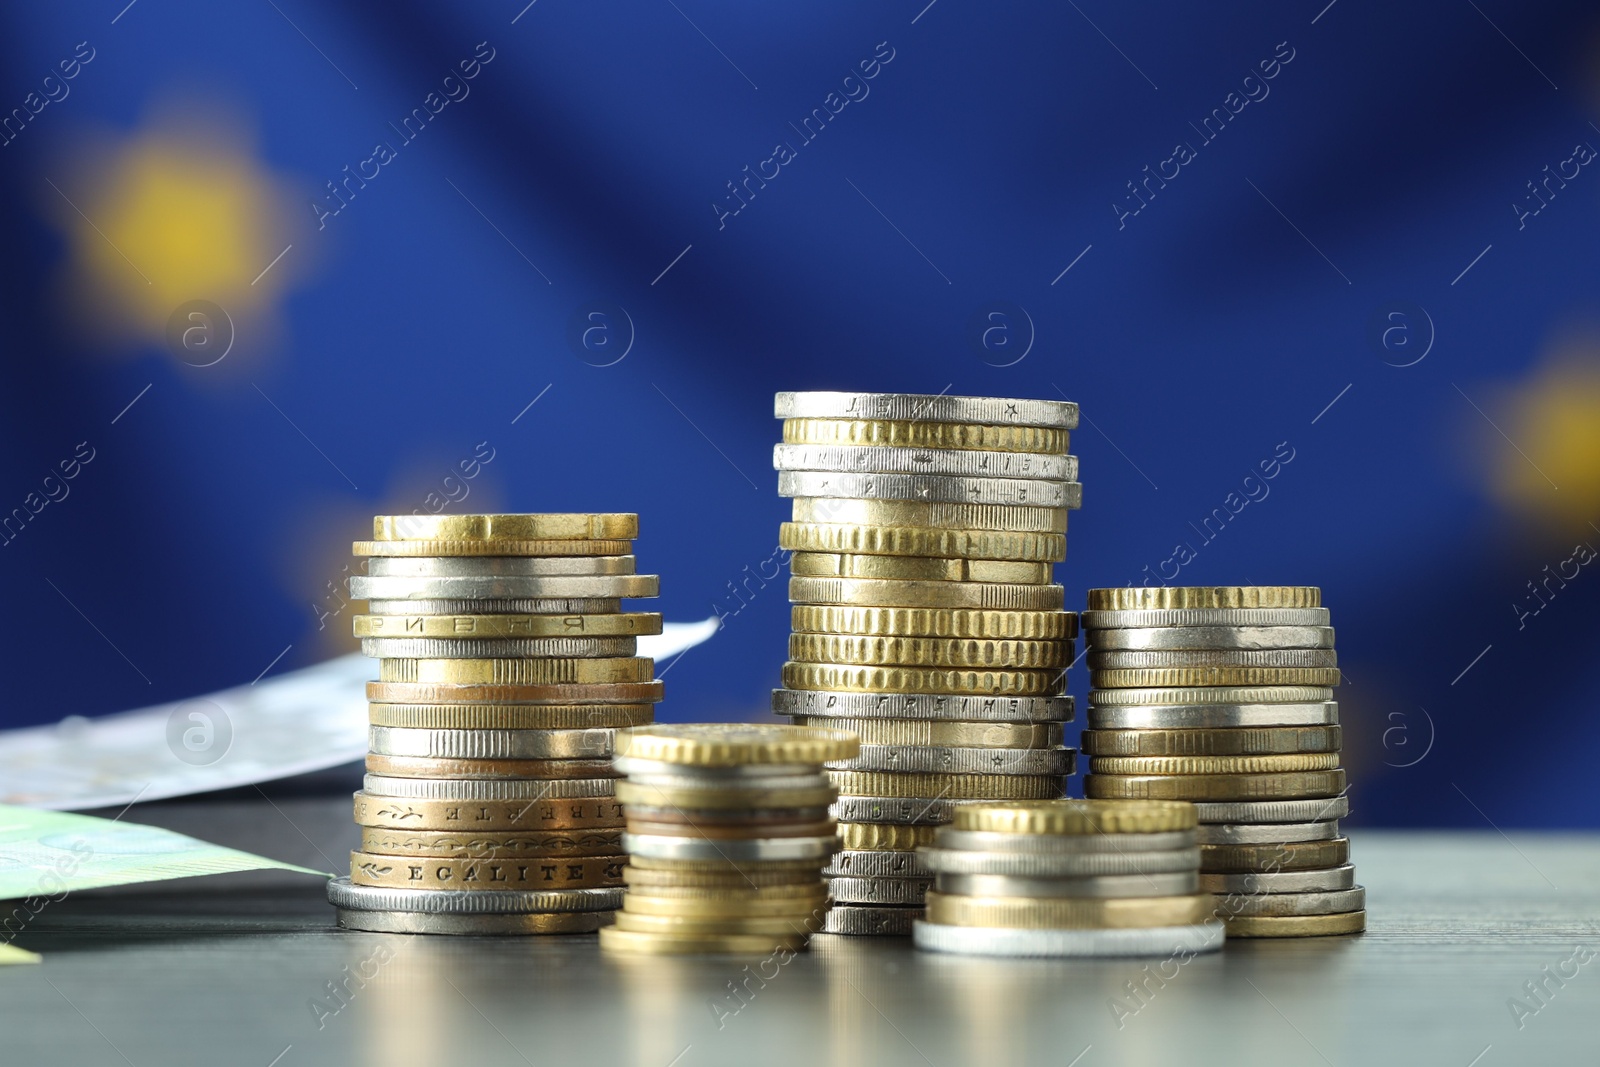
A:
(298, 722)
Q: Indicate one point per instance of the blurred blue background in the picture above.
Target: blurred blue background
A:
(1362, 236)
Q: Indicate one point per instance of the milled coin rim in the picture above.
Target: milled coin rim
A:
(1000, 941)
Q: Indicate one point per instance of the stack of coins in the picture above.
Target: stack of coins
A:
(1224, 696)
(1068, 878)
(506, 664)
(925, 531)
(727, 833)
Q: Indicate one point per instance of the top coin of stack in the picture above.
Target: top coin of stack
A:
(924, 533)
(1224, 696)
(505, 665)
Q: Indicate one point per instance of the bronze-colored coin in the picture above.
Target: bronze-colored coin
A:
(529, 527)
(654, 796)
(943, 652)
(473, 817)
(1210, 676)
(1234, 741)
(429, 767)
(418, 548)
(1349, 922)
(993, 625)
(427, 693)
(883, 837)
(1191, 765)
(503, 845)
(678, 925)
(843, 679)
(544, 671)
(921, 541)
(725, 866)
(510, 716)
(948, 786)
(466, 627)
(1287, 786)
(1160, 598)
(658, 944)
(673, 880)
(409, 872)
(1069, 913)
(919, 434)
(1281, 856)
(711, 832)
(918, 568)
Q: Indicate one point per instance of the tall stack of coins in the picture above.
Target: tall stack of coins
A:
(506, 664)
(1068, 878)
(1224, 696)
(925, 532)
(728, 830)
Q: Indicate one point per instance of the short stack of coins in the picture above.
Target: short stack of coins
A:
(924, 534)
(1068, 878)
(1224, 696)
(506, 664)
(727, 834)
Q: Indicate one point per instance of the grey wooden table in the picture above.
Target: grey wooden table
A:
(236, 970)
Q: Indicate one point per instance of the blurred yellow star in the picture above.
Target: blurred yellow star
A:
(1553, 473)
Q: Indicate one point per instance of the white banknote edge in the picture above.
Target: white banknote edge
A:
(302, 721)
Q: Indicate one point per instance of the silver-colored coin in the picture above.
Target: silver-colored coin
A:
(1174, 883)
(498, 647)
(946, 708)
(951, 760)
(368, 587)
(859, 920)
(1210, 716)
(948, 462)
(485, 925)
(933, 488)
(343, 894)
(1273, 811)
(725, 816)
(733, 850)
(1067, 944)
(1154, 638)
(512, 606)
(1214, 694)
(496, 566)
(1117, 620)
(1323, 880)
(1272, 833)
(874, 863)
(927, 407)
(490, 744)
(1060, 865)
(1214, 657)
(385, 785)
(1332, 902)
(1062, 844)
(878, 890)
(899, 811)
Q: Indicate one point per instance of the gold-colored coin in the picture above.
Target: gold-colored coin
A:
(510, 716)
(887, 593)
(1292, 785)
(1137, 678)
(689, 799)
(414, 549)
(504, 527)
(616, 693)
(1229, 741)
(657, 944)
(918, 568)
(1281, 856)
(710, 903)
(731, 744)
(934, 622)
(921, 541)
(503, 845)
(1293, 761)
(467, 627)
(1069, 913)
(883, 837)
(1347, 922)
(1132, 598)
(704, 831)
(905, 434)
(478, 817)
(948, 786)
(927, 513)
(946, 734)
(409, 872)
(790, 894)
(739, 867)
(921, 680)
(1078, 817)
(767, 925)
(552, 670)
(659, 881)
(928, 651)
(444, 767)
